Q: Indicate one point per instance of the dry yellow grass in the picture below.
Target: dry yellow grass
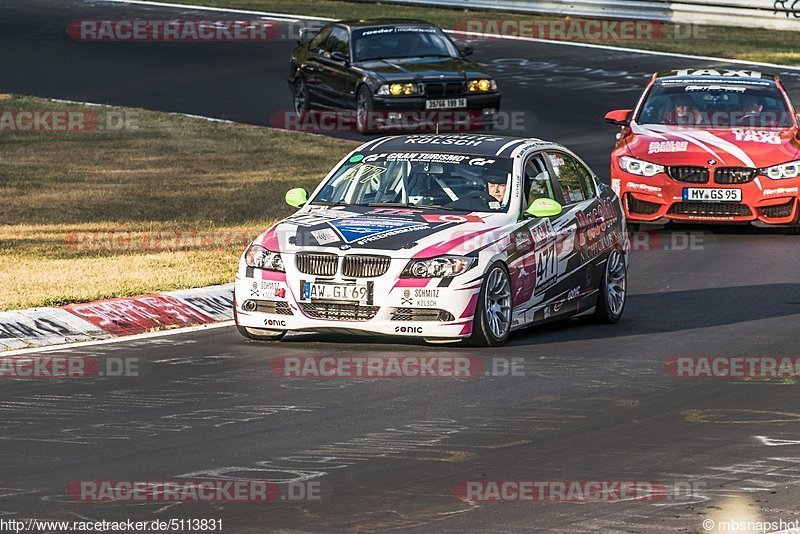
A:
(169, 205)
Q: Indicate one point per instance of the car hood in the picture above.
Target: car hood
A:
(424, 69)
(405, 233)
(737, 147)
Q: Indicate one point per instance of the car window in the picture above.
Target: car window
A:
(716, 105)
(575, 180)
(401, 42)
(455, 181)
(339, 41)
(537, 181)
(317, 44)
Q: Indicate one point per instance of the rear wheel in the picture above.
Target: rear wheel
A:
(492, 322)
(613, 289)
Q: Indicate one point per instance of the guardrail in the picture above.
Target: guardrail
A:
(771, 14)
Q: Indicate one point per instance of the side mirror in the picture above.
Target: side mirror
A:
(304, 36)
(544, 207)
(467, 50)
(619, 116)
(297, 197)
(340, 57)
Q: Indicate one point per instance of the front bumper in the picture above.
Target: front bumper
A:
(659, 199)
(400, 307)
(412, 103)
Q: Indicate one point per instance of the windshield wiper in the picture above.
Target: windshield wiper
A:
(330, 203)
(411, 206)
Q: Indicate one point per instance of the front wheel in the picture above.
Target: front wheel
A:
(492, 322)
(363, 109)
(613, 289)
(302, 101)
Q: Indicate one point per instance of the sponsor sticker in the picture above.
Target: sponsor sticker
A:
(325, 236)
(757, 136)
(658, 147)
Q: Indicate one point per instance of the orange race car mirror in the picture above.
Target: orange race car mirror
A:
(619, 116)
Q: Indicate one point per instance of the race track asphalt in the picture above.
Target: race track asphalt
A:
(594, 401)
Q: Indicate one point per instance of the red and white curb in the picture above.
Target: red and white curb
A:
(105, 319)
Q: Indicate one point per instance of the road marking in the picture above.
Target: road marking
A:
(121, 339)
(292, 16)
(726, 416)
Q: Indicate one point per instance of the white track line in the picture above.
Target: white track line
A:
(120, 339)
(291, 16)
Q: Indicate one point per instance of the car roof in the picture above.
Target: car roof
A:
(678, 76)
(368, 23)
(457, 143)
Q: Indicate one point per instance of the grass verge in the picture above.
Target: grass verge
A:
(166, 202)
(748, 44)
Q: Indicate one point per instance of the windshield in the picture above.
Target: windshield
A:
(401, 42)
(716, 104)
(434, 180)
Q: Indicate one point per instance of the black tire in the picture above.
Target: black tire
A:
(364, 110)
(301, 97)
(483, 333)
(260, 334)
(609, 309)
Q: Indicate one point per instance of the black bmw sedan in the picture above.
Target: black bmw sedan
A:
(385, 69)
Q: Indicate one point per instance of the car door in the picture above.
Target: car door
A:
(533, 252)
(579, 233)
(337, 77)
(310, 68)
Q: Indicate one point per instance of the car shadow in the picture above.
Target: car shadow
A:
(672, 311)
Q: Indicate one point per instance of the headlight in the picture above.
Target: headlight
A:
(399, 89)
(261, 258)
(481, 86)
(783, 171)
(639, 167)
(441, 267)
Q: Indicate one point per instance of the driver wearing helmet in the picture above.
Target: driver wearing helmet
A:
(496, 184)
